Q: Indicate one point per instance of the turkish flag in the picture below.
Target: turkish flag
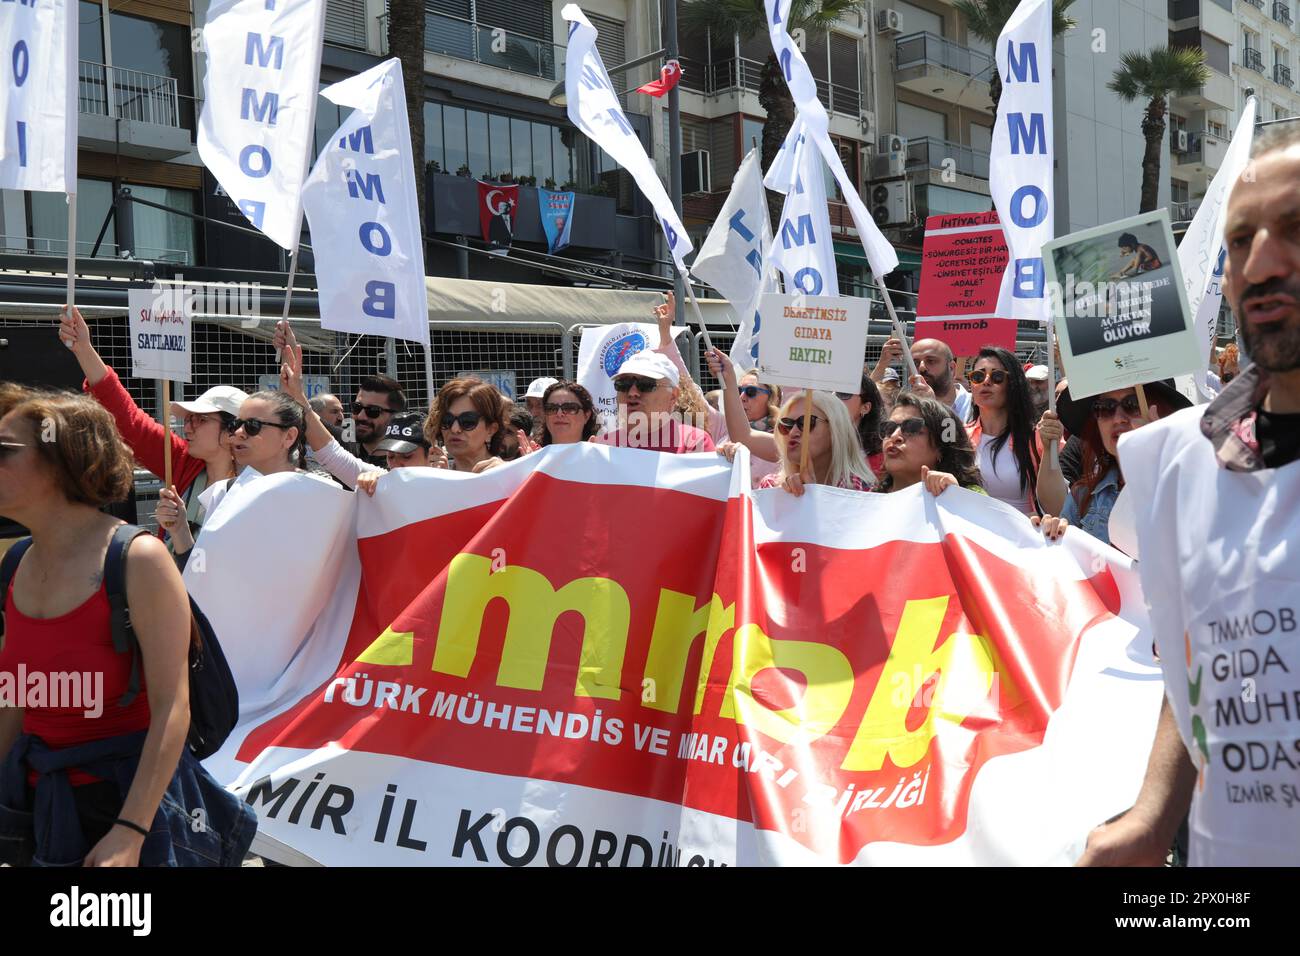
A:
(496, 214)
(668, 77)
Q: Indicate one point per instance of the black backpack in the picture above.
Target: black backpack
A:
(214, 699)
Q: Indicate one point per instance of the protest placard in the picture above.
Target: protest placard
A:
(1121, 311)
(964, 258)
(813, 341)
(160, 333)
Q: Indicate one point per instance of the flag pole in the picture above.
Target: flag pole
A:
(72, 250)
(167, 432)
(699, 316)
(899, 329)
(428, 372)
(1053, 453)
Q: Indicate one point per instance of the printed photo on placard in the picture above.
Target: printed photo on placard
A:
(1120, 307)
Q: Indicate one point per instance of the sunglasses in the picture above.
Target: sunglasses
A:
(8, 448)
(997, 376)
(786, 425)
(846, 396)
(468, 421)
(910, 427)
(372, 411)
(752, 391)
(252, 426)
(643, 385)
(1106, 407)
(569, 408)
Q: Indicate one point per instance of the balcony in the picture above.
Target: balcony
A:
(1184, 211)
(930, 65)
(1282, 75)
(491, 46)
(1257, 4)
(1218, 93)
(739, 73)
(1205, 154)
(928, 152)
(1252, 60)
(129, 112)
(1282, 12)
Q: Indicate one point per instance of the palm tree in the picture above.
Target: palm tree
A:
(406, 19)
(1155, 76)
(985, 20)
(747, 18)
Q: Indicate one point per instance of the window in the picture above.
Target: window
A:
(162, 49)
(90, 35)
(915, 121)
(916, 20)
(163, 236)
(1217, 129)
(480, 163)
(981, 137)
(1178, 191)
(47, 219)
(433, 151)
(751, 134)
(453, 140)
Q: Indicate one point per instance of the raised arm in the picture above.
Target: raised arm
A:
(291, 384)
(1051, 488)
(694, 399)
(759, 443)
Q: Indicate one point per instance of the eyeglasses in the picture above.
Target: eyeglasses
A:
(1106, 407)
(643, 385)
(908, 426)
(846, 396)
(753, 391)
(196, 420)
(997, 376)
(569, 408)
(252, 426)
(8, 448)
(786, 425)
(468, 421)
(372, 411)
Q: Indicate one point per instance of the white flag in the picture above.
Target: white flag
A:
(365, 223)
(733, 256)
(880, 254)
(803, 249)
(256, 129)
(38, 97)
(594, 109)
(1201, 252)
(1022, 155)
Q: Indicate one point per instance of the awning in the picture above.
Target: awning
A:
(851, 252)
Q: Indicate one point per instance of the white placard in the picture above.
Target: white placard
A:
(1117, 297)
(813, 341)
(160, 324)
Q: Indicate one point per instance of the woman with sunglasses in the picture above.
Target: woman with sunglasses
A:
(568, 414)
(834, 456)
(468, 419)
(201, 456)
(1002, 430)
(1099, 422)
(925, 442)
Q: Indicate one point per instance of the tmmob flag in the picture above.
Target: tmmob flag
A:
(38, 99)
(803, 87)
(256, 128)
(594, 109)
(1201, 251)
(365, 223)
(803, 249)
(732, 258)
(1022, 156)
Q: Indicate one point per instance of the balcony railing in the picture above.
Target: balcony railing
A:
(1184, 211)
(491, 46)
(1257, 4)
(739, 73)
(929, 152)
(38, 246)
(1282, 74)
(127, 94)
(1252, 60)
(1282, 12)
(918, 49)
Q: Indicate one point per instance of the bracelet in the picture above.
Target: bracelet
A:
(131, 826)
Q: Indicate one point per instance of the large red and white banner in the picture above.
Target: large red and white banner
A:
(600, 656)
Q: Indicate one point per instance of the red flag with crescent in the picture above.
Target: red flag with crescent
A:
(668, 77)
(496, 213)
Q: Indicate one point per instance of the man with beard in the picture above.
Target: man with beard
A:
(937, 373)
(1217, 521)
(377, 398)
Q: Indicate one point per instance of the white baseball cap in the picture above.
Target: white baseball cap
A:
(650, 365)
(538, 386)
(1037, 373)
(219, 398)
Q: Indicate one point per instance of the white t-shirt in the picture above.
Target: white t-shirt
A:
(1002, 475)
(961, 404)
(1219, 571)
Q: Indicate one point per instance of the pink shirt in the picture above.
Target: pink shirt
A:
(674, 438)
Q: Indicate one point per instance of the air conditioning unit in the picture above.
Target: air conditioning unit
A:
(891, 143)
(695, 172)
(888, 165)
(889, 21)
(891, 203)
(1181, 141)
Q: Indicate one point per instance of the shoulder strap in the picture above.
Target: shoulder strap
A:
(119, 613)
(8, 568)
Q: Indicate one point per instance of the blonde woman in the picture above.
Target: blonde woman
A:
(834, 454)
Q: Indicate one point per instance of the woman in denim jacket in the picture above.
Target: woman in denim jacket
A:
(1100, 421)
(88, 773)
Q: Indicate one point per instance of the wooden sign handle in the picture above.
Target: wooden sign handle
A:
(167, 432)
(803, 431)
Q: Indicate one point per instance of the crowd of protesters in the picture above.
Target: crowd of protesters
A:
(74, 790)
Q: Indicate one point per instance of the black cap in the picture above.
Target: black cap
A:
(404, 434)
(1074, 412)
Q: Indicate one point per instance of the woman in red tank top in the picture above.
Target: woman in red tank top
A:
(61, 458)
